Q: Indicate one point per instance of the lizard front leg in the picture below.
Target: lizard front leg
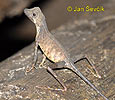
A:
(92, 68)
(35, 57)
(43, 60)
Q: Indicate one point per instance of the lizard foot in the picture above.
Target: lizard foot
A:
(30, 69)
(49, 88)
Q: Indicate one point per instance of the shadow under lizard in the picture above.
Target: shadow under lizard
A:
(52, 49)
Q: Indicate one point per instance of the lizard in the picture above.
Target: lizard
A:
(52, 49)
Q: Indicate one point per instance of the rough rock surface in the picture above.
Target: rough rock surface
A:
(96, 38)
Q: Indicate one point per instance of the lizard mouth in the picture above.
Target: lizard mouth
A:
(29, 14)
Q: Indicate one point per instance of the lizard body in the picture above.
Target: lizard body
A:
(51, 48)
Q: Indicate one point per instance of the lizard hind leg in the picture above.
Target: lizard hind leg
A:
(56, 77)
(92, 68)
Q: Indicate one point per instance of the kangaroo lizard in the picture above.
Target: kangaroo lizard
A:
(52, 49)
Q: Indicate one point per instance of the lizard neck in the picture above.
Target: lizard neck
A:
(42, 30)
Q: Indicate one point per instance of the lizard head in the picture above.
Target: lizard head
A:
(35, 15)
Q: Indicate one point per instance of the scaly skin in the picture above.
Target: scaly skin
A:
(51, 47)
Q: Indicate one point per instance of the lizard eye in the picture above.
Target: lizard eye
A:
(34, 14)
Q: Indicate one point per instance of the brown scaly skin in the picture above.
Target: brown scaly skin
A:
(52, 48)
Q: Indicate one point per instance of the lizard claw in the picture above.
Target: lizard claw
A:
(97, 75)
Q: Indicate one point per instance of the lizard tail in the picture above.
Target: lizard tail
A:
(86, 80)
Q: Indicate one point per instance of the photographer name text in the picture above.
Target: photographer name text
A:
(85, 9)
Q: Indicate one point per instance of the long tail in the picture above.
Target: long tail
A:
(86, 80)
